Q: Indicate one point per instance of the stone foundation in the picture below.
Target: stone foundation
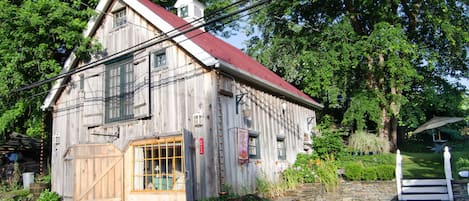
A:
(460, 190)
(355, 191)
(346, 191)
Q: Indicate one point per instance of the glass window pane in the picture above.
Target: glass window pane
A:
(159, 167)
(159, 59)
(119, 91)
(120, 18)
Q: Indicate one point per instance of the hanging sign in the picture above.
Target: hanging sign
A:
(201, 146)
(243, 154)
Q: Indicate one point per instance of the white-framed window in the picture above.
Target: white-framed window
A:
(159, 59)
(120, 18)
(158, 165)
(184, 11)
(253, 145)
(281, 148)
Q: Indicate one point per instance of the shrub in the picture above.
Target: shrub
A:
(369, 174)
(329, 143)
(385, 172)
(291, 178)
(462, 164)
(304, 164)
(353, 171)
(262, 186)
(48, 196)
(327, 175)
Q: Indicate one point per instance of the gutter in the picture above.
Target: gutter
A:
(230, 69)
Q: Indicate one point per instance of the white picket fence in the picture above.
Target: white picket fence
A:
(424, 189)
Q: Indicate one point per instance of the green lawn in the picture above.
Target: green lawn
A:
(422, 165)
(414, 165)
(428, 165)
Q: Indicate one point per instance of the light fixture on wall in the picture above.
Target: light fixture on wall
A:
(247, 115)
(56, 139)
(309, 120)
(284, 107)
(197, 119)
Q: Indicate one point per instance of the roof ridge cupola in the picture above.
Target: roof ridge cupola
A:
(191, 10)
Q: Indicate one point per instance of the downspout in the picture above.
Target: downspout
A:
(220, 134)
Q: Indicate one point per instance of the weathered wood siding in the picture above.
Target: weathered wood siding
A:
(98, 172)
(165, 102)
(178, 91)
(270, 121)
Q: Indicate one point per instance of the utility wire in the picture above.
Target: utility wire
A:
(138, 47)
(230, 21)
(188, 23)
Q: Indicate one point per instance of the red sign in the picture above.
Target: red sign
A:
(201, 146)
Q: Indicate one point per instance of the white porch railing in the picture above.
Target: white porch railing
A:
(425, 189)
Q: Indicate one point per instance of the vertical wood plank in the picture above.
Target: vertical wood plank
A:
(448, 174)
(399, 174)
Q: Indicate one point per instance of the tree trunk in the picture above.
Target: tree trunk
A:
(388, 129)
(393, 136)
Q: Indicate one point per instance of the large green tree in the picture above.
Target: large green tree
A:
(35, 38)
(367, 61)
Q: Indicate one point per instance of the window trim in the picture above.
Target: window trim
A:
(186, 14)
(281, 139)
(123, 96)
(165, 140)
(154, 60)
(117, 20)
(255, 135)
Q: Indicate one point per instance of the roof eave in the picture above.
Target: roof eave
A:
(230, 69)
(72, 60)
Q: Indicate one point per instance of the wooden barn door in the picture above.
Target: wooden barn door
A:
(98, 173)
(189, 160)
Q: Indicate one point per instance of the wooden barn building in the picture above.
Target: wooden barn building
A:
(168, 111)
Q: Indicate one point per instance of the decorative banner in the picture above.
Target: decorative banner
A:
(243, 137)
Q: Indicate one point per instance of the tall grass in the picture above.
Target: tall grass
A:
(362, 141)
(327, 174)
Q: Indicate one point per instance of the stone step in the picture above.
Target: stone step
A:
(424, 182)
(425, 189)
(425, 197)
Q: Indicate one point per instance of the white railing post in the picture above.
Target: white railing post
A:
(399, 174)
(448, 174)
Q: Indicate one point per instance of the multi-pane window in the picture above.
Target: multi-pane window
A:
(119, 102)
(281, 149)
(184, 11)
(253, 145)
(120, 18)
(159, 59)
(158, 165)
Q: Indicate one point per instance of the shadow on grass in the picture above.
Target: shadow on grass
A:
(422, 165)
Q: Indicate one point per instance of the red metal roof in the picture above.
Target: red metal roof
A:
(226, 52)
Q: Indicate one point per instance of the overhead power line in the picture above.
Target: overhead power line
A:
(230, 21)
(140, 46)
(176, 28)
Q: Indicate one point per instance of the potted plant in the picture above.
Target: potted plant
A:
(41, 183)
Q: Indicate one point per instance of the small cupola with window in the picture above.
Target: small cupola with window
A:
(191, 10)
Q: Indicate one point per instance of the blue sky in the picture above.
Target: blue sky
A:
(236, 40)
